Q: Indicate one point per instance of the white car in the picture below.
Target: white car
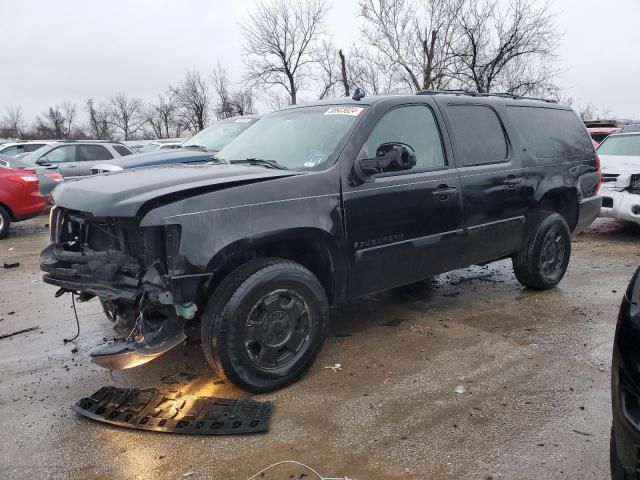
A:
(18, 148)
(620, 161)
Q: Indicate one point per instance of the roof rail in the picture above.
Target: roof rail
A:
(478, 94)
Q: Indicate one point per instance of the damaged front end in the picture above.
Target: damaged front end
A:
(144, 285)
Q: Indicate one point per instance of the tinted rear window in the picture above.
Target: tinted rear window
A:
(122, 150)
(551, 133)
(478, 134)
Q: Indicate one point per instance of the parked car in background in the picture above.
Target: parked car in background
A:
(625, 386)
(315, 205)
(20, 198)
(620, 160)
(198, 149)
(48, 176)
(631, 128)
(17, 148)
(75, 158)
(159, 145)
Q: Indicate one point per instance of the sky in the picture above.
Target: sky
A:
(52, 51)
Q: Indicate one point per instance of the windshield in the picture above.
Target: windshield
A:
(299, 139)
(627, 145)
(217, 136)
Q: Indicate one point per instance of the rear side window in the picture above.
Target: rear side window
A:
(122, 150)
(478, 134)
(91, 153)
(551, 133)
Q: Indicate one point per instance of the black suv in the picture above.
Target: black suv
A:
(314, 205)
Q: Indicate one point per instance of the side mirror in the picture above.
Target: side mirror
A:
(390, 157)
(43, 161)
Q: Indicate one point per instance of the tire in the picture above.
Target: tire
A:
(265, 324)
(544, 259)
(617, 469)
(5, 222)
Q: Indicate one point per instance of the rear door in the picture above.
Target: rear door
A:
(403, 226)
(493, 184)
(89, 155)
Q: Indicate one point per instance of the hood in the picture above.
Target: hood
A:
(122, 194)
(619, 168)
(619, 164)
(160, 157)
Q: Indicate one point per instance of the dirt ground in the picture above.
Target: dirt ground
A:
(471, 377)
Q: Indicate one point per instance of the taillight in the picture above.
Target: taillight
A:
(26, 180)
(599, 174)
(56, 177)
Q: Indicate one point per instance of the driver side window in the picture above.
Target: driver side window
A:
(66, 153)
(412, 125)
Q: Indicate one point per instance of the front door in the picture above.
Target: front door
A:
(65, 158)
(404, 226)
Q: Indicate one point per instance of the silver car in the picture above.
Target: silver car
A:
(75, 158)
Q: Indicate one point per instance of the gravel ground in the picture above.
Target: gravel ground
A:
(469, 377)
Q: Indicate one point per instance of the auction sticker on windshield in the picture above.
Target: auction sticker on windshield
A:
(344, 110)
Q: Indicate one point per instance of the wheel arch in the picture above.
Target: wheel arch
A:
(8, 209)
(562, 200)
(313, 248)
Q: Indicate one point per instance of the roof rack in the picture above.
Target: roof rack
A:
(477, 94)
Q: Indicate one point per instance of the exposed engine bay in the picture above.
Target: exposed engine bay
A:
(136, 273)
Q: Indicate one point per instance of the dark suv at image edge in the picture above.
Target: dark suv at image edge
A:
(312, 206)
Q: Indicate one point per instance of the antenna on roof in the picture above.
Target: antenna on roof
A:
(358, 94)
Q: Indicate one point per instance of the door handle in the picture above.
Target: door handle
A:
(511, 181)
(444, 191)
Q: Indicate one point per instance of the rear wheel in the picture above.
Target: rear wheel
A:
(265, 324)
(544, 259)
(5, 222)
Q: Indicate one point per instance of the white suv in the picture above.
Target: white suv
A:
(620, 159)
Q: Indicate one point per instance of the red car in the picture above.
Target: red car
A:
(20, 197)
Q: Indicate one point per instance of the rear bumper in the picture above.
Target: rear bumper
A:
(621, 205)
(30, 206)
(588, 210)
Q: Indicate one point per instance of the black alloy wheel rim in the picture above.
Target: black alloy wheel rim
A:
(277, 330)
(553, 252)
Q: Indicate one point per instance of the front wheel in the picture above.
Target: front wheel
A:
(265, 324)
(544, 259)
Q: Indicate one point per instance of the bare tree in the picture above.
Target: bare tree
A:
(506, 45)
(69, 114)
(230, 103)
(194, 102)
(329, 64)
(57, 121)
(280, 40)
(14, 123)
(415, 37)
(367, 69)
(162, 116)
(99, 122)
(126, 115)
